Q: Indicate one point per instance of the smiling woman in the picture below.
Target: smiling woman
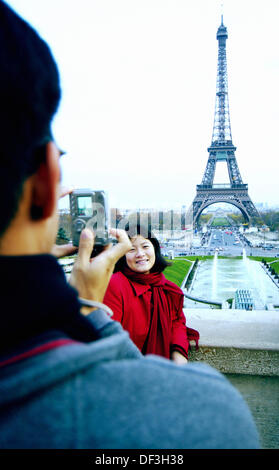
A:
(149, 306)
(141, 257)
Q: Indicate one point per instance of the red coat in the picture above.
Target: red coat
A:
(131, 306)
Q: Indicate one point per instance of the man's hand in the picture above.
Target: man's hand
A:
(91, 276)
(63, 250)
(68, 249)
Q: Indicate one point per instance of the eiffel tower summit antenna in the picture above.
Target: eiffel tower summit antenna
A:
(222, 149)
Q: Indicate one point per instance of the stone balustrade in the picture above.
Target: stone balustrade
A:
(244, 346)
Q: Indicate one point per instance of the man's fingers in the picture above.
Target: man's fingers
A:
(63, 250)
(123, 245)
(86, 244)
(120, 235)
(65, 190)
(111, 253)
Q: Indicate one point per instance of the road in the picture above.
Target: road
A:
(227, 242)
(232, 242)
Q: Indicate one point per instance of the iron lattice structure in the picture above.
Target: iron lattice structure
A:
(222, 149)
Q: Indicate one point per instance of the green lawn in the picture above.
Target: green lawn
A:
(180, 267)
(220, 221)
(178, 270)
(275, 266)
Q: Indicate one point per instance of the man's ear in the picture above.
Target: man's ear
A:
(45, 181)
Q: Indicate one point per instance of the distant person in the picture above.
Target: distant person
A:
(70, 377)
(147, 305)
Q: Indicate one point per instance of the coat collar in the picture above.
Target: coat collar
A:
(139, 289)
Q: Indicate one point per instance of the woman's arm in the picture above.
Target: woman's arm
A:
(179, 340)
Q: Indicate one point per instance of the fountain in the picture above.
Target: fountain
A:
(219, 280)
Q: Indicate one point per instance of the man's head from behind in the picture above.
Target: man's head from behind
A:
(29, 97)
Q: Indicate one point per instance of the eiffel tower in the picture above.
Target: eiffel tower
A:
(222, 149)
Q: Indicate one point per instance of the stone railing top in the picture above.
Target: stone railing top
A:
(256, 329)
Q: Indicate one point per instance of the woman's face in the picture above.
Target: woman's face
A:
(141, 257)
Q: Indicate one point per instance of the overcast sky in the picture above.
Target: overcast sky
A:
(139, 81)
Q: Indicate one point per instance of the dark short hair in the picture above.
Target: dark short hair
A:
(29, 97)
(134, 230)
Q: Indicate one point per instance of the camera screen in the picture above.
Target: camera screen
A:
(85, 206)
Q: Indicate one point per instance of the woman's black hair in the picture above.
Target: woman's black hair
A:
(134, 230)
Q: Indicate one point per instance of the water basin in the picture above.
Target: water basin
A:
(218, 279)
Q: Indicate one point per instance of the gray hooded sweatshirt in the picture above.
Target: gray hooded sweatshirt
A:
(75, 390)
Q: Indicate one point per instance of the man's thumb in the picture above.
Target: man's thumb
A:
(86, 244)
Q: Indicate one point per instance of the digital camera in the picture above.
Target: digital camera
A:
(89, 209)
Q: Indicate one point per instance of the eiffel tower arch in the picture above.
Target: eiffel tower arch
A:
(222, 150)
